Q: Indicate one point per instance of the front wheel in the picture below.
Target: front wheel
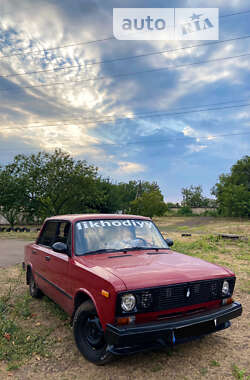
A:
(89, 335)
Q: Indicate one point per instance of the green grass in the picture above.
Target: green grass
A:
(200, 246)
(55, 309)
(203, 371)
(18, 343)
(182, 228)
(239, 374)
(214, 363)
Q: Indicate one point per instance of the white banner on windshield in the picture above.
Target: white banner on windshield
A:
(114, 223)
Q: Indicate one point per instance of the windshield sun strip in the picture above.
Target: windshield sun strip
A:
(110, 250)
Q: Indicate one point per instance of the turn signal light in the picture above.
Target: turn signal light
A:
(125, 320)
(105, 293)
(227, 301)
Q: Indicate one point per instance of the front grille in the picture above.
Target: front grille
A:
(178, 295)
(188, 294)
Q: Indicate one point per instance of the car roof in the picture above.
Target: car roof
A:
(76, 217)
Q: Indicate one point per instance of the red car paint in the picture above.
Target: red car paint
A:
(63, 277)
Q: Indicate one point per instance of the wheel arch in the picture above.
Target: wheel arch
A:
(81, 296)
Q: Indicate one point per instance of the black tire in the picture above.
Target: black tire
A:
(35, 292)
(89, 336)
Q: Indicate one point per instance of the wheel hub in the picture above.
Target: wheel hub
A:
(94, 332)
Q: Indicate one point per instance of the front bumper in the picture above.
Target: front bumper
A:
(133, 338)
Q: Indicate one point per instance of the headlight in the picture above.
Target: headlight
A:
(225, 288)
(128, 302)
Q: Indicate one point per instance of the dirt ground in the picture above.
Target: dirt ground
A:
(220, 356)
(212, 357)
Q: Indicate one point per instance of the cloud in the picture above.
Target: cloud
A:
(130, 167)
(196, 148)
(87, 117)
(188, 131)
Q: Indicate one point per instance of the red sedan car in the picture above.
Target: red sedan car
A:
(124, 287)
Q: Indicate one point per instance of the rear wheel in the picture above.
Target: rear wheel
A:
(33, 288)
(89, 335)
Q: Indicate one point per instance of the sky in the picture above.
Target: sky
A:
(66, 82)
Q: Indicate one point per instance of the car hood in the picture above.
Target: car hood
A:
(147, 269)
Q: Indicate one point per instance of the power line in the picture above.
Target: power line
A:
(56, 48)
(90, 42)
(235, 14)
(170, 114)
(163, 140)
(124, 58)
(123, 74)
(210, 137)
(136, 114)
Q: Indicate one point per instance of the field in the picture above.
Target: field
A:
(36, 338)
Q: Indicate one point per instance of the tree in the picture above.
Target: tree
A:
(171, 205)
(11, 197)
(128, 192)
(53, 183)
(108, 196)
(192, 197)
(233, 190)
(46, 184)
(149, 204)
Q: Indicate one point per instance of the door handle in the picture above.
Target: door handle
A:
(34, 252)
(47, 258)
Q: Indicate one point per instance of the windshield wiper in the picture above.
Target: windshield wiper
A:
(140, 248)
(126, 249)
(101, 251)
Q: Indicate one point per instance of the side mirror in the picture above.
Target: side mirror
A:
(60, 247)
(169, 242)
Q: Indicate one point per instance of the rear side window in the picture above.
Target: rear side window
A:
(48, 236)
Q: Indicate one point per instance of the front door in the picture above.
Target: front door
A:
(55, 268)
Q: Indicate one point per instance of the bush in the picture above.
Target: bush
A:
(213, 213)
(185, 211)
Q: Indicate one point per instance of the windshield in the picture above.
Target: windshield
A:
(116, 234)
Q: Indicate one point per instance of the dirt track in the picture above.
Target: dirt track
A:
(11, 251)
